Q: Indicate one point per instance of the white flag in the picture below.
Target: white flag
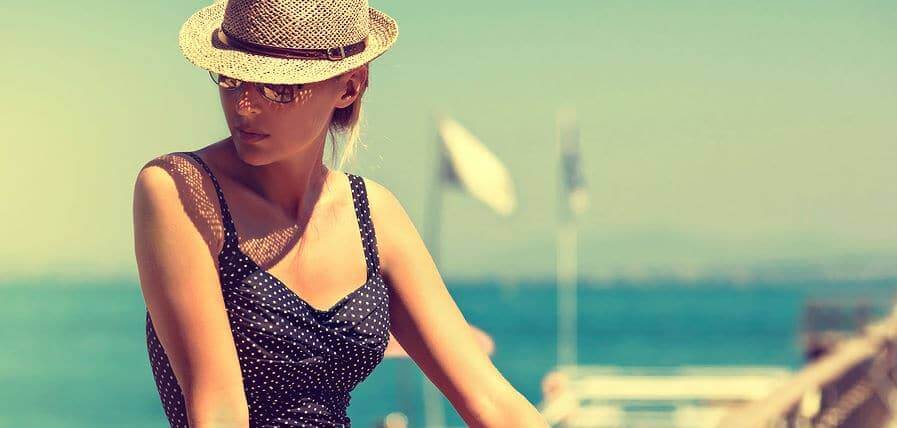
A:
(473, 167)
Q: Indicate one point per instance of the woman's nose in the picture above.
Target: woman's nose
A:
(246, 103)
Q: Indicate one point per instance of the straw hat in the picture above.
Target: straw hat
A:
(286, 41)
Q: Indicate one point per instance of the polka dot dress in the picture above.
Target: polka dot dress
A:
(299, 363)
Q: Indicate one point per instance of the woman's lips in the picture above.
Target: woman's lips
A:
(250, 137)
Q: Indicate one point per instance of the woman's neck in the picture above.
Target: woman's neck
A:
(294, 184)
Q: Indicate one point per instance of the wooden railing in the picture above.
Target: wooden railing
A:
(853, 385)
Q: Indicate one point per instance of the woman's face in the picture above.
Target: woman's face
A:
(288, 127)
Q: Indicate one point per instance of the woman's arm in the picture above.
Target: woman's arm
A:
(180, 285)
(428, 324)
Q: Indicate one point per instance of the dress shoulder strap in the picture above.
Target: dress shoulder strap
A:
(365, 225)
(230, 234)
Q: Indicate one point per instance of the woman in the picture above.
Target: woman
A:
(251, 251)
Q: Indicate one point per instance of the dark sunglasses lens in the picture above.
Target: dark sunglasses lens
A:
(224, 81)
(280, 93)
(274, 92)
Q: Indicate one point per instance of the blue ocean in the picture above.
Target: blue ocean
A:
(74, 352)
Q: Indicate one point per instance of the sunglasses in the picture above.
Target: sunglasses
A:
(274, 92)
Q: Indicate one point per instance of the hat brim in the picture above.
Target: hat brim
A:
(199, 45)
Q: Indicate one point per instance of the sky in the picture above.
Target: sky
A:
(739, 139)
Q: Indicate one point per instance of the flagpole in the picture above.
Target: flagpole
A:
(566, 265)
(566, 250)
(433, 409)
(434, 205)
(463, 162)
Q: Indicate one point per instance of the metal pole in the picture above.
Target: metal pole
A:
(433, 411)
(567, 349)
(566, 260)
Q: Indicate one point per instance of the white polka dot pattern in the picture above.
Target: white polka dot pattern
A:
(299, 363)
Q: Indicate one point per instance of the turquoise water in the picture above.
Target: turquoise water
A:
(74, 354)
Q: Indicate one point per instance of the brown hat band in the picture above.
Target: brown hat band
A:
(333, 54)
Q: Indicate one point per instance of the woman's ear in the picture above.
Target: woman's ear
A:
(351, 85)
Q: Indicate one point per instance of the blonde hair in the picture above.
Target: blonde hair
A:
(346, 122)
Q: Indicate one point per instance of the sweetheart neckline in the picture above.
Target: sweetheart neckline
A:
(296, 296)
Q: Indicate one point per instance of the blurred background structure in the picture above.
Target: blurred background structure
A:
(731, 175)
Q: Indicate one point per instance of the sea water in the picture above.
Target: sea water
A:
(73, 353)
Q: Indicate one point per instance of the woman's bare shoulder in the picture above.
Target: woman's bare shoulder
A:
(175, 178)
(380, 200)
(391, 222)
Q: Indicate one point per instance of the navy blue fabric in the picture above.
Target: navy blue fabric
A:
(299, 363)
